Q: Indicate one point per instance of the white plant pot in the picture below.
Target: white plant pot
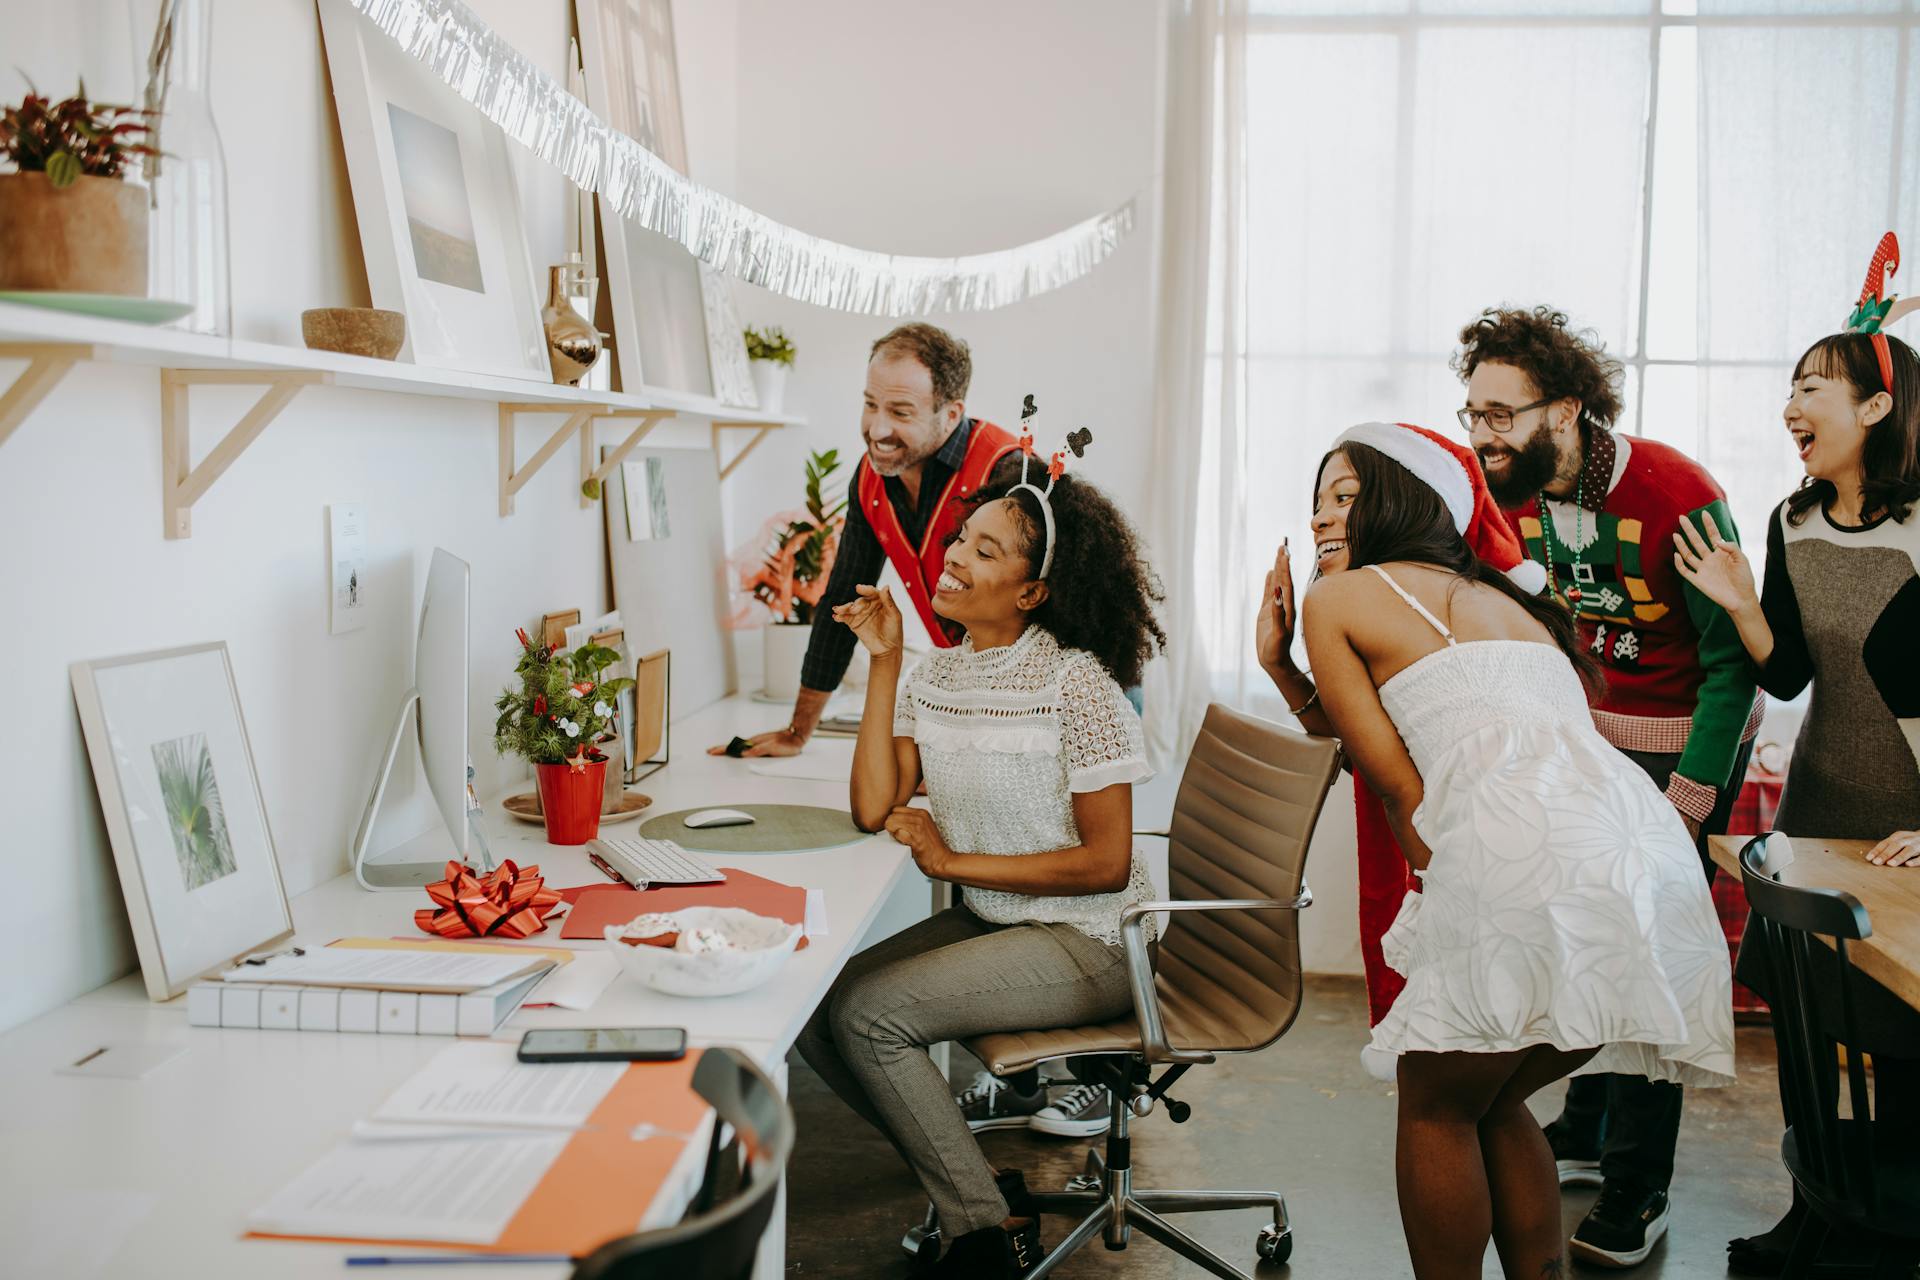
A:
(769, 384)
(786, 646)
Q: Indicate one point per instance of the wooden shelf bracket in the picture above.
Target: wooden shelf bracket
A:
(761, 430)
(47, 363)
(182, 485)
(596, 473)
(511, 480)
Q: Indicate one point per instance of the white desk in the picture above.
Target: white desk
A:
(202, 1140)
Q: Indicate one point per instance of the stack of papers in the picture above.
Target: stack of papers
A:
(379, 970)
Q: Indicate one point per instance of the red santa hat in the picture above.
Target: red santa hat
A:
(1451, 470)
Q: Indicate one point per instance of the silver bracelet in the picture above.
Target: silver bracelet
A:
(1306, 706)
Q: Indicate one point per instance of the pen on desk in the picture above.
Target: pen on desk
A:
(451, 1260)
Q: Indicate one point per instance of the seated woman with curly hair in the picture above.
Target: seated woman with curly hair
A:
(1030, 750)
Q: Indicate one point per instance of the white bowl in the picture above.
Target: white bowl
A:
(766, 943)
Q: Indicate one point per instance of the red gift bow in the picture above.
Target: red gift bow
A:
(508, 902)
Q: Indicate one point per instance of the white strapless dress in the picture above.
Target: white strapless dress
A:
(1564, 903)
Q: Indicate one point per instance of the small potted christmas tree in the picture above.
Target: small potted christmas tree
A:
(561, 709)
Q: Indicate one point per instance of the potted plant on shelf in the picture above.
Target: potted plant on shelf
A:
(770, 356)
(792, 575)
(69, 221)
(553, 720)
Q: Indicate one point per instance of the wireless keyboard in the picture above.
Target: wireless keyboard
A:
(642, 863)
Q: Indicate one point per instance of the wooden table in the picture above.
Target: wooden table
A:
(1891, 895)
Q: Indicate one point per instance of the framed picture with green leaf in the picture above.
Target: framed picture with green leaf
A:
(184, 812)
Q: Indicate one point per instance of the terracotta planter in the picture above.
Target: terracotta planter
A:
(570, 800)
(90, 237)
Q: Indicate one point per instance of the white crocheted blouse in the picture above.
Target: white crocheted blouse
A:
(1006, 737)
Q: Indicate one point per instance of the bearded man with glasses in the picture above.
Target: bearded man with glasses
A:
(1598, 511)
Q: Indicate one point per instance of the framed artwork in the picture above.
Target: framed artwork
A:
(673, 322)
(184, 812)
(438, 213)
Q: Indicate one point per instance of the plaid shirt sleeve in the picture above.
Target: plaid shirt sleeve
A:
(858, 562)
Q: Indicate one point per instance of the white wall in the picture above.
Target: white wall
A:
(85, 572)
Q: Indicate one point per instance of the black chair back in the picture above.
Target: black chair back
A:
(1813, 994)
(720, 1235)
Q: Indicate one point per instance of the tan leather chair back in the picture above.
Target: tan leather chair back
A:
(1245, 812)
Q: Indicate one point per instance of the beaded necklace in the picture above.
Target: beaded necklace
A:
(1572, 595)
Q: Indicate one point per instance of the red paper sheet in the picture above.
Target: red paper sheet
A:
(597, 906)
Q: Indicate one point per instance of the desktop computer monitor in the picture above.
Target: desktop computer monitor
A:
(416, 817)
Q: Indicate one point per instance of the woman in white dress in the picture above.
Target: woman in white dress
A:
(1563, 925)
(1030, 750)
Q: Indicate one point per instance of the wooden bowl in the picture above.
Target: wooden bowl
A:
(354, 331)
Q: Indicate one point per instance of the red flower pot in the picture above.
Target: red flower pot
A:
(570, 800)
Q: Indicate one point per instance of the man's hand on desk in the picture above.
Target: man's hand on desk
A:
(1901, 849)
(775, 742)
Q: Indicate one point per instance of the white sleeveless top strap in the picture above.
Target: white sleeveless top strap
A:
(1418, 608)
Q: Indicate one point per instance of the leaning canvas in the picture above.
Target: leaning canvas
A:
(184, 811)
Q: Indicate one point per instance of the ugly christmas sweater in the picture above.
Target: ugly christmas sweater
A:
(1677, 677)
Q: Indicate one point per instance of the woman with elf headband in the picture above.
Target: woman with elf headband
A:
(1839, 609)
(1561, 924)
(1030, 750)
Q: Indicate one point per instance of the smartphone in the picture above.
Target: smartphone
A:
(606, 1044)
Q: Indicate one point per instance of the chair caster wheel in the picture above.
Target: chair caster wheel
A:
(1274, 1246)
(922, 1245)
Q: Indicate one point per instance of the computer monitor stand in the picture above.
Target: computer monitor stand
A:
(402, 841)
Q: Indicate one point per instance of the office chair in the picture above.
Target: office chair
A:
(720, 1235)
(1227, 981)
(1859, 1179)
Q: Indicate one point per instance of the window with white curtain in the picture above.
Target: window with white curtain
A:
(1701, 182)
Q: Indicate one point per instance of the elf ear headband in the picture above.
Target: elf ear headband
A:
(1877, 308)
(1056, 466)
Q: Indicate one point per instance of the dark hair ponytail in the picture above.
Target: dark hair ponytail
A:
(1396, 516)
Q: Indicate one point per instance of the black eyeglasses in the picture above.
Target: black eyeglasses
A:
(1499, 421)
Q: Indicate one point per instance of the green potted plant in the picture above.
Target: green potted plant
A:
(770, 353)
(69, 221)
(792, 575)
(553, 720)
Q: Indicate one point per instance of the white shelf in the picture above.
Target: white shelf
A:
(53, 342)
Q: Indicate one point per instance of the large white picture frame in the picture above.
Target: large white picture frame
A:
(672, 319)
(439, 215)
(184, 812)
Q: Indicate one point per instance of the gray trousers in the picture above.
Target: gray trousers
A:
(946, 978)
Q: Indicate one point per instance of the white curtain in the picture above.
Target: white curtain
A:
(1701, 189)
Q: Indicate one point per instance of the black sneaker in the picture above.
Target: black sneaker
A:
(1079, 1112)
(992, 1253)
(1577, 1161)
(991, 1103)
(1622, 1227)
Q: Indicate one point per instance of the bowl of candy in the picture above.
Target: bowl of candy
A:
(703, 951)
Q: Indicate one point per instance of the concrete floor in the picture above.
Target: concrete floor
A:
(1303, 1118)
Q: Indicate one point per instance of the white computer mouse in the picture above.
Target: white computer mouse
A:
(717, 818)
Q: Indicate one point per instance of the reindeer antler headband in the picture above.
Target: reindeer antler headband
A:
(1056, 466)
(1877, 308)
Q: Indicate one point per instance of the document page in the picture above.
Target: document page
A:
(482, 1083)
(464, 1191)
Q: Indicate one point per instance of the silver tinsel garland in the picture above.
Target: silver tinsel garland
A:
(535, 111)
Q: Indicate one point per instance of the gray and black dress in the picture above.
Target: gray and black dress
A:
(1844, 605)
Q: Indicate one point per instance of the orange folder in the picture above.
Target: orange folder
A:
(601, 1184)
(597, 906)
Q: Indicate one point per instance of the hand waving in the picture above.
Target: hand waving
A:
(1718, 569)
(1275, 617)
(875, 619)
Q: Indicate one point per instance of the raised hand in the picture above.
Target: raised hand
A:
(1718, 569)
(875, 619)
(1275, 618)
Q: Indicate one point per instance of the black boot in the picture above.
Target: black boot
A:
(992, 1253)
(1013, 1189)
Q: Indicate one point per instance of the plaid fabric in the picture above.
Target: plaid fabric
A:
(1695, 799)
(1662, 735)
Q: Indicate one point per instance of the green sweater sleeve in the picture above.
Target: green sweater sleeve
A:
(1727, 689)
